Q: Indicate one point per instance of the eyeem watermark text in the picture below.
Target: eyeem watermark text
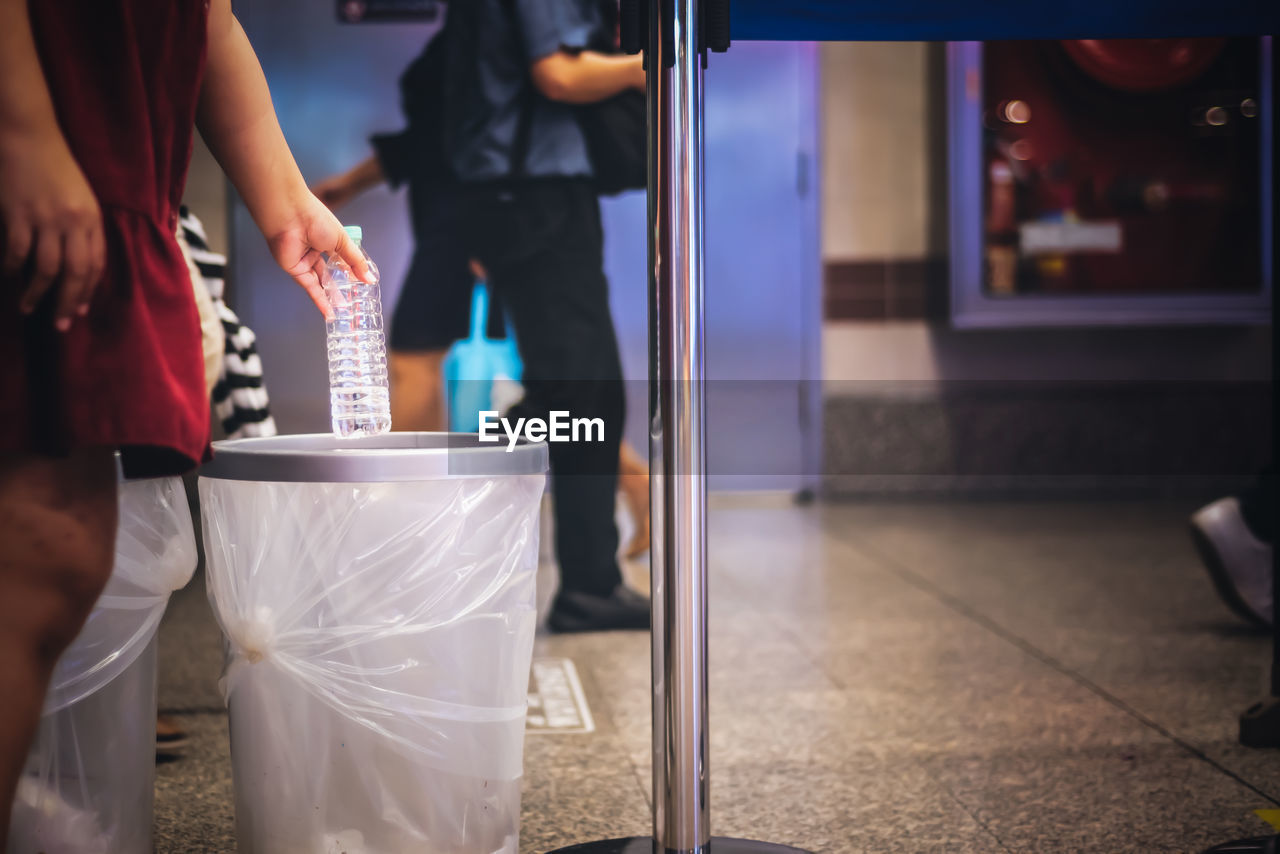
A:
(561, 428)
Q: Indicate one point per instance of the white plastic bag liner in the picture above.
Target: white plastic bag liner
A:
(88, 786)
(377, 597)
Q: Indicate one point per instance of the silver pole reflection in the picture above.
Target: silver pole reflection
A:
(677, 430)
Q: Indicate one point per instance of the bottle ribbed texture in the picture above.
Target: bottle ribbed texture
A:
(359, 401)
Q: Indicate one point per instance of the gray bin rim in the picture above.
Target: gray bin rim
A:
(391, 457)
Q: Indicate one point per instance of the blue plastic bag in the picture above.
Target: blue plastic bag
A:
(480, 373)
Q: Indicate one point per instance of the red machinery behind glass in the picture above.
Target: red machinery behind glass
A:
(1122, 166)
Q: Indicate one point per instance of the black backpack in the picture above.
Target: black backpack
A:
(614, 129)
(615, 132)
(418, 154)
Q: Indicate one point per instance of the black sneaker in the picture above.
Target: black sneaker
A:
(624, 608)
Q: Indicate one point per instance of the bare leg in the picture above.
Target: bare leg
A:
(417, 390)
(58, 526)
(633, 480)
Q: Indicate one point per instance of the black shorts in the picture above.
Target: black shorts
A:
(434, 308)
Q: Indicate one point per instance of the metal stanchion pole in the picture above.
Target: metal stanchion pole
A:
(675, 47)
(678, 431)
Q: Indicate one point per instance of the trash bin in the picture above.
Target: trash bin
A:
(88, 786)
(377, 599)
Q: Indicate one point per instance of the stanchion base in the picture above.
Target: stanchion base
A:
(1257, 845)
(645, 845)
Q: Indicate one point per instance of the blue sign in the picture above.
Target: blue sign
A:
(948, 20)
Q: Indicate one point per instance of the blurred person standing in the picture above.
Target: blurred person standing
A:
(499, 171)
(531, 216)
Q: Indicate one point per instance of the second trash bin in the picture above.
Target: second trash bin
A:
(89, 781)
(377, 598)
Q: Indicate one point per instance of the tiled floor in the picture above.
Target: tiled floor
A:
(979, 677)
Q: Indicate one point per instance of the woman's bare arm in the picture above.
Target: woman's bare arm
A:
(239, 125)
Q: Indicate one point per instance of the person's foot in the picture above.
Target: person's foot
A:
(1238, 562)
(624, 608)
(169, 736)
(640, 539)
(635, 492)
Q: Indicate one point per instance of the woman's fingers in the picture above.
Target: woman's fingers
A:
(52, 224)
(47, 266)
(97, 266)
(72, 261)
(77, 282)
(349, 252)
(312, 282)
(17, 246)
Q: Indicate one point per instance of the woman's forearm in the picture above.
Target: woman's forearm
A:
(25, 104)
(586, 77)
(239, 124)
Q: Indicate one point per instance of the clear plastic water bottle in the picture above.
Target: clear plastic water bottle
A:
(358, 398)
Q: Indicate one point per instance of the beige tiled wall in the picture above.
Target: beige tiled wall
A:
(875, 151)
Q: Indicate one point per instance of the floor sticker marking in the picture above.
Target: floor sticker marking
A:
(556, 702)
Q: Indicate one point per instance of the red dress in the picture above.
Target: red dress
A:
(125, 78)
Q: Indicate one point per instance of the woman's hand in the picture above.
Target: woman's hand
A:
(51, 222)
(299, 244)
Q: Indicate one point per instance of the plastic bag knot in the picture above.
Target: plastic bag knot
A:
(254, 637)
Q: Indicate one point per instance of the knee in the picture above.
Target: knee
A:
(57, 523)
(76, 582)
(51, 596)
